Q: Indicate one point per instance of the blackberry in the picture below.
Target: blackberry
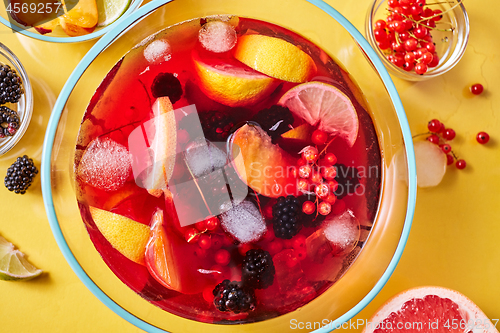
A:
(286, 213)
(348, 180)
(20, 175)
(216, 125)
(258, 269)
(166, 84)
(10, 85)
(9, 122)
(230, 296)
(275, 121)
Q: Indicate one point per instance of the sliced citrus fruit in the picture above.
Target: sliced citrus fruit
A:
(275, 57)
(110, 10)
(324, 105)
(262, 165)
(13, 264)
(431, 163)
(230, 82)
(125, 235)
(429, 309)
(171, 260)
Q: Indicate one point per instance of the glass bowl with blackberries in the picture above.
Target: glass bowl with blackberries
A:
(226, 166)
(16, 100)
(418, 39)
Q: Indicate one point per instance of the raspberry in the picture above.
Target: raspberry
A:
(230, 296)
(258, 269)
(10, 85)
(20, 175)
(286, 212)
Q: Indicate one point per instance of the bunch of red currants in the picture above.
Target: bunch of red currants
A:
(405, 36)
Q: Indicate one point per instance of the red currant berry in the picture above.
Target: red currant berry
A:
(408, 66)
(426, 58)
(191, 235)
(441, 130)
(482, 137)
(392, 3)
(329, 172)
(415, 10)
(316, 177)
(449, 159)
(411, 44)
(428, 12)
(397, 46)
(398, 61)
(331, 198)
(408, 24)
(308, 207)
(433, 138)
(446, 148)
(299, 242)
(420, 68)
(205, 242)
(435, 60)
(431, 47)
(305, 171)
(380, 24)
(303, 185)
(476, 89)
(404, 36)
(319, 137)
(324, 208)
(434, 125)
(461, 164)
(380, 35)
(212, 223)
(310, 154)
(420, 32)
(333, 185)
(410, 57)
(449, 134)
(330, 159)
(222, 257)
(322, 190)
(437, 13)
(398, 26)
(201, 226)
(420, 3)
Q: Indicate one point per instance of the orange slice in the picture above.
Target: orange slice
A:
(326, 106)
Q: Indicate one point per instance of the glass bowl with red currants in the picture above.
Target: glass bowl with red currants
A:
(418, 39)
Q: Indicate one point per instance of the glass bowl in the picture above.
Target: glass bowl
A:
(449, 45)
(325, 27)
(24, 107)
(58, 35)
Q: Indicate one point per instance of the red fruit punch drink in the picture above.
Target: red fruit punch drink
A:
(227, 170)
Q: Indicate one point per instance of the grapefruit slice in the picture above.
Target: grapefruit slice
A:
(430, 309)
(125, 235)
(275, 57)
(431, 163)
(326, 106)
(263, 166)
(230, 82)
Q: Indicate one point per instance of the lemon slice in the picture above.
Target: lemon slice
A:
(13, 264)
(110, 10)
(275, 57)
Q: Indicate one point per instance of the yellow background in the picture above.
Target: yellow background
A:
(453, 242)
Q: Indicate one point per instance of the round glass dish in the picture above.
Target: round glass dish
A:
(450, 45)
(58, 35)
(24, 107)
(316, 21)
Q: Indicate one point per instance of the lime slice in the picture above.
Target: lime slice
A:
(13, 264)
(110, 11)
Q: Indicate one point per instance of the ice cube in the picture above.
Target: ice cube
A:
(342, 231)
(158, 51)
(217, 36)
(105, 164)
(244, 222)
(203, 157)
